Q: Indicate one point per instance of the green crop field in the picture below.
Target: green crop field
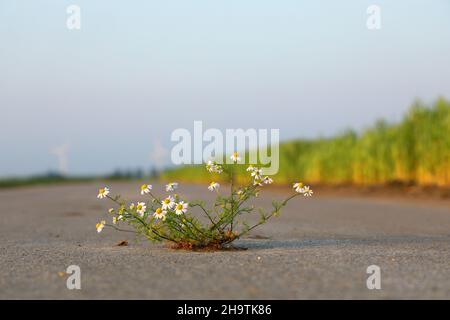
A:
(416, 150)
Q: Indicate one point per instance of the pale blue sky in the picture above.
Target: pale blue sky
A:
(139, 69)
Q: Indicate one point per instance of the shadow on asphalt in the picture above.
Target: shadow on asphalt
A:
(305, 243)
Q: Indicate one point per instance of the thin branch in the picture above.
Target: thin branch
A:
(270, 215)
(204, 210)
(119, 229)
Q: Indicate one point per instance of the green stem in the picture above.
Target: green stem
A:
(205, 211)
(119, 229)
(232, 197)
(234, 215)
(195, 227)
(270, 215)
(157, 199)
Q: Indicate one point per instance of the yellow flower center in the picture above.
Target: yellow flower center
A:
(179, 206)
(143, 187)
(158, 211)
(101, 191)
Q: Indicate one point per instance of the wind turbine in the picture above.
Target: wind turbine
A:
(158, 155)
(61, 153)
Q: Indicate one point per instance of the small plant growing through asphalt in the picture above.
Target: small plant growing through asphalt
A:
(170, 218)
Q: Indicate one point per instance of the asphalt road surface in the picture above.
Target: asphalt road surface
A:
(318, 248)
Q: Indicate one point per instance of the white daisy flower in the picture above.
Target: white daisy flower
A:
(111, 211)
(114, 220)
(145, 188)
(210, 166)
(103, 192)
(213, 186)
(171, 186)
(140, 208)
(298, 187)
(168, 203)
(235, 157)
(307, 192)
(256, 173)
(257, 182)
(267, 180)
(160, 214)
(250, 168)
(218, 168)
(213, 167)
(99, 226)
(181, 208)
